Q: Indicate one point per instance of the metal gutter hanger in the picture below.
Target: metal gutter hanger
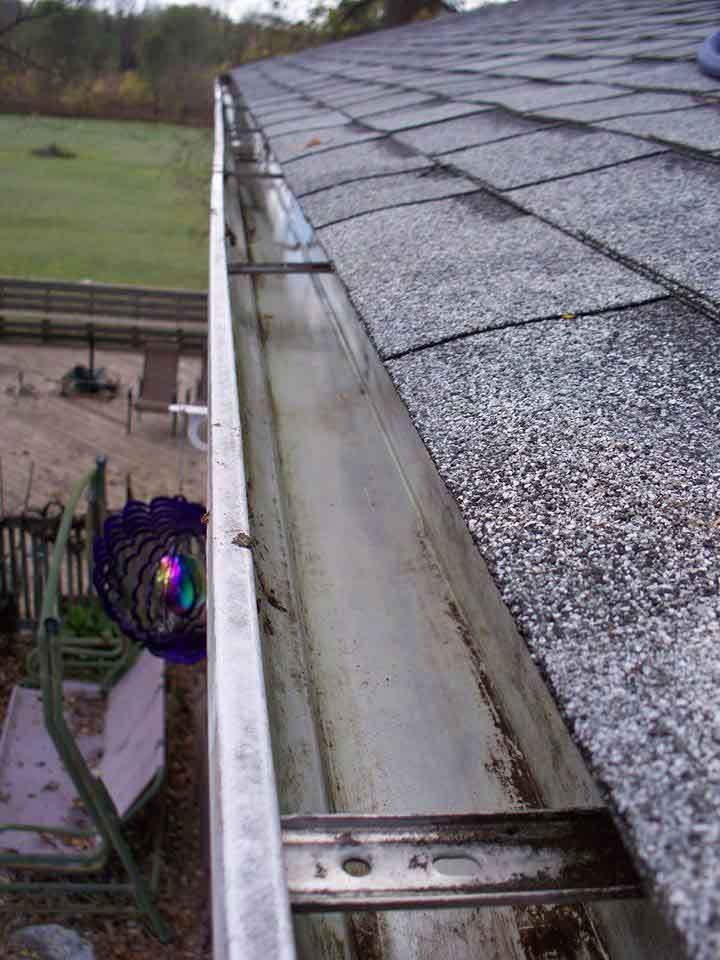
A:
(323, 266)
(344, 862)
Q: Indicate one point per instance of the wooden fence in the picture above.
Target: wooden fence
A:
(26, 544)
(102, 300)
(106, 335)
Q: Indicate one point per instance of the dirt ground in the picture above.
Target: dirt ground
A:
(62, 435)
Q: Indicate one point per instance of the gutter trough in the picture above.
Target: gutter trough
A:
(386, 762)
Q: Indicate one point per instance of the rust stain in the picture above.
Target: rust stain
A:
(512, 769)
(418, 862)
(558, 933)
(365, 928)
(268, 593)
(347, 839)
(324, 942)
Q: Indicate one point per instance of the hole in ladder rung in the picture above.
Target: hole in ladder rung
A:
(356, 867)
(457, 866)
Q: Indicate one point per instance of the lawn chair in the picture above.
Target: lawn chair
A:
(158, 385)
(76, 763)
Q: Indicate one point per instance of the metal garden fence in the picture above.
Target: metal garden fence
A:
(26, 544)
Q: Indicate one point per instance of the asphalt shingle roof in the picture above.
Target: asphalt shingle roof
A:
(475, 179)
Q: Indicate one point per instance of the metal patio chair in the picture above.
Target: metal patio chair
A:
(158, 384)
(76, 763)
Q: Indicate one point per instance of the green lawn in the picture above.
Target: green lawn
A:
(131, 207)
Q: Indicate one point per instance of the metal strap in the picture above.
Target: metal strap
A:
(343, 862)
(242, 175)
(321, 266)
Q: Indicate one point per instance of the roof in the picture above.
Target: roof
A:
(522, 202)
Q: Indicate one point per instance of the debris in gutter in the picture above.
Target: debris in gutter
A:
(244, 540)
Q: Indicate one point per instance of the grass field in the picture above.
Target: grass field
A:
(130, 207)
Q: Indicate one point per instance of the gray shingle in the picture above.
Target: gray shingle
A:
(465, 86)
(495, 63)
(348, 163)
(649, 47)
(388, 101)
(290, 146)
(538, 96)
(472, 91)
(698, 128)
(546, 154)
(265, 105)
(497, 267)
(550, 68)
(363, 196)
(468, 131)
(674, 76)
(656, 211)
(350, 93)
(279, 111)
(625, 104)
(416, 116)
(584, 455)
(316, 120)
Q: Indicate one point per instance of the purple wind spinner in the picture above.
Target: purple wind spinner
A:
(149, 573)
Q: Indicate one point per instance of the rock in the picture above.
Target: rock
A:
(50, 941)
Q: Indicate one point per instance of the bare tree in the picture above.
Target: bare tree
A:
(394, 12)
(15, 13)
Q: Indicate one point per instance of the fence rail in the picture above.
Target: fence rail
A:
(110, 336)
(102, 300)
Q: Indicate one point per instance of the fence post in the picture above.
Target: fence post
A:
(96, 513)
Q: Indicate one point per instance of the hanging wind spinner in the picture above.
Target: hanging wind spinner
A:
(149, 572)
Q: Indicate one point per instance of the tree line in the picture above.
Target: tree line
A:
(67, 56)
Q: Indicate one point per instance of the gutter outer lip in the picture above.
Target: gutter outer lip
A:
(250, 903)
